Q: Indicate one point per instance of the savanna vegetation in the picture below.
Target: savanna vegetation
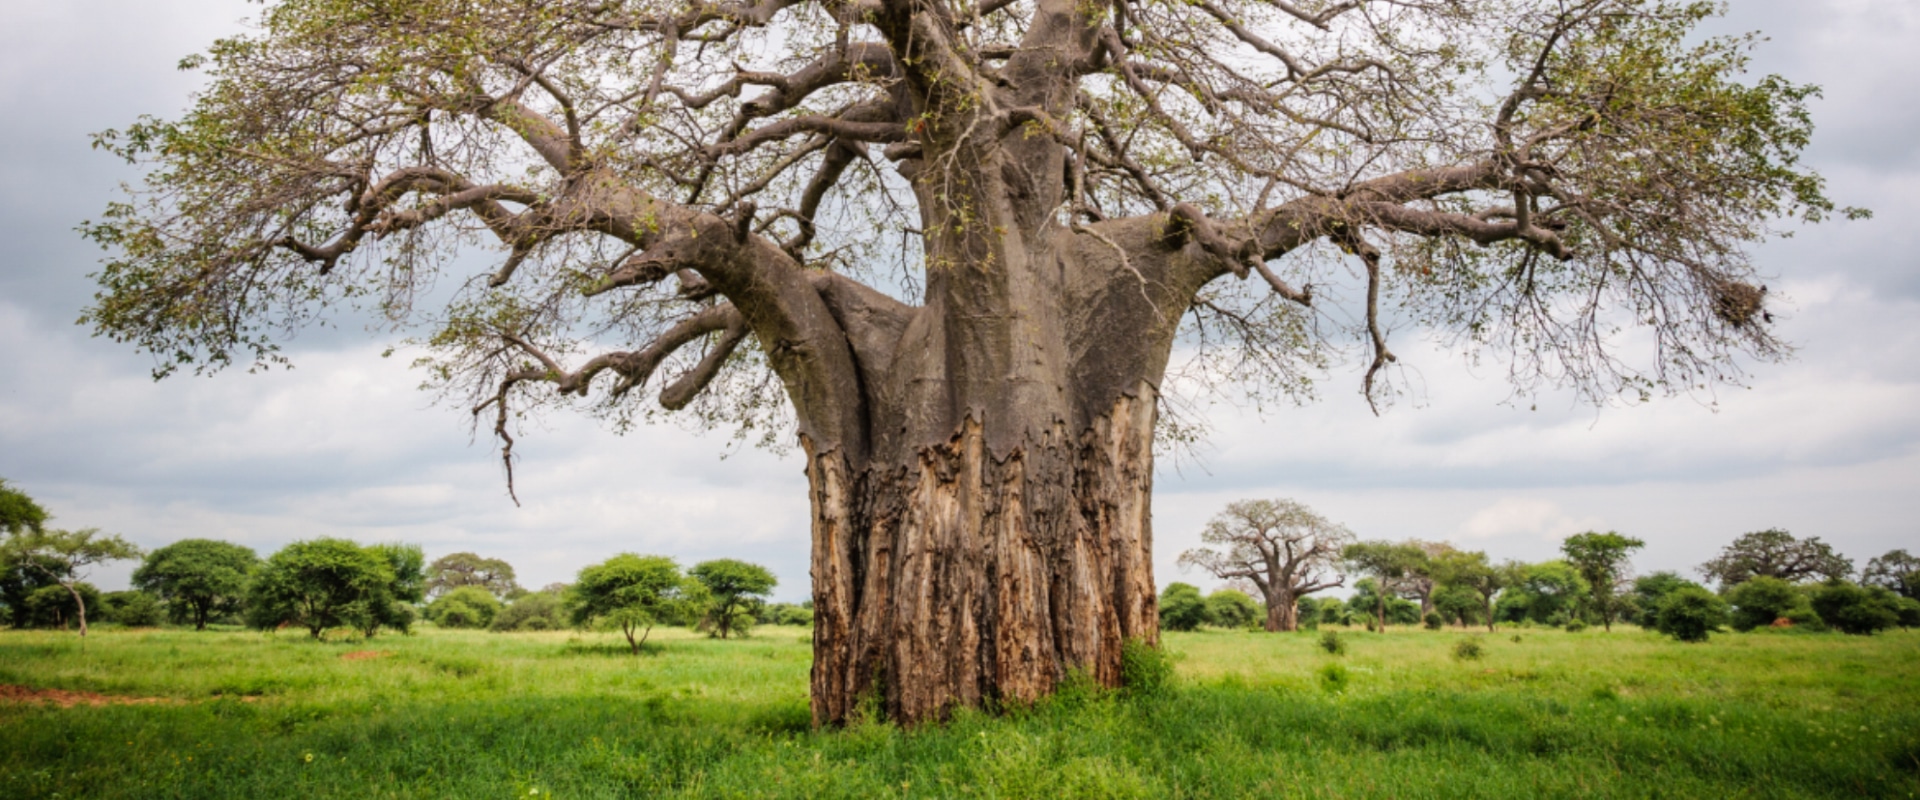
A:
(1532, 711)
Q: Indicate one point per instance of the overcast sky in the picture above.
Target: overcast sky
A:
(344, 445)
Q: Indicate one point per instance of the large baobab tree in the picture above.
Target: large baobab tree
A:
(952, 247)
(1281, 547)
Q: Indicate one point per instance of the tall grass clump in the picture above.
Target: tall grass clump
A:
(1469, 649)
(1331, 642)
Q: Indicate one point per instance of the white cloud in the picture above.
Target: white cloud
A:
(1521, 516)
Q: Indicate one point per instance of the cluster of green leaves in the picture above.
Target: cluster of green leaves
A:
(1183, 608)
(327, 583)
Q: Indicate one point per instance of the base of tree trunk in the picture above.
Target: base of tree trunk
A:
(973, 578)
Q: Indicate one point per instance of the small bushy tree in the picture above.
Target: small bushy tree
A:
(1391, 568)
(393, 605)
(1182, 607)
(1232, 608)
(735, 589)
(1548, 592)
(319, 584)
(57, 605)
(1690, 614)
(1760, 601)
(134, 609)
(468, 606)
(1650, 589)
(1602, 559)
(199, 578)
(800, 614)
(634, 593)
(1855, 609)
(64, 556)
(1460, 572)
(534, 611)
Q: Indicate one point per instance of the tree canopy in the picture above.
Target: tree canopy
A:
(198, 577)
(1896, 571)
(934, 238)
(320, 584)
(1775, 553)
(18, 512)
(455, 570)
(63, 556)
(1604, 561)
(633, 593)
(1280, 547)
(734, 589)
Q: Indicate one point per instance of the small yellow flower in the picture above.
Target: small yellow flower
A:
(309, 758)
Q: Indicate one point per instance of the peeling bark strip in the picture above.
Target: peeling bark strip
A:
(969, 578)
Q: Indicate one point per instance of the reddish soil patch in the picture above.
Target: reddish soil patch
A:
(65, 699)
(363, 655)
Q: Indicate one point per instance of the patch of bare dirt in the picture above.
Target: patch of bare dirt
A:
(363, 655)
(65, 699)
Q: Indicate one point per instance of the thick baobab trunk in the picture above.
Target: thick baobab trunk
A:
(1283, 612)
(991, 532)
(975, 577)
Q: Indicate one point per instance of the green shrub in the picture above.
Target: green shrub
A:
(1433, 621)
(1857, 610)
(1689, 614)
(1332, 643)
(1758, 602)
(134, 609)
(1334, 678)
(1469, 649)
(1908, 610)
(1231, 608)
(464, 607)
(534, 611)
(1182, 608)
(1145, 670)
(1576, 625)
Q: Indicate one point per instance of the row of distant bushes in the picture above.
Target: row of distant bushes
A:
(327, 584)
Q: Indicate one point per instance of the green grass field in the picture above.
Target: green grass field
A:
(460, 714)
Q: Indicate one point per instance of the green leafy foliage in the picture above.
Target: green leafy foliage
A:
(633, 593)
(321, 584)
(134, 609)
(1182, 607)
(1331, 642)
(467, 606)
(1760, 601)
(1650, 589)
(53, 605)
(1469, 649)
(62, 557)
(1232, 608)
(1603, 561)
(1549, 593)
(1859, 610)
(200, 579)
(1690, 614)
(1145, 670)
(19, 513)
(534, 611)
(735, 590)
